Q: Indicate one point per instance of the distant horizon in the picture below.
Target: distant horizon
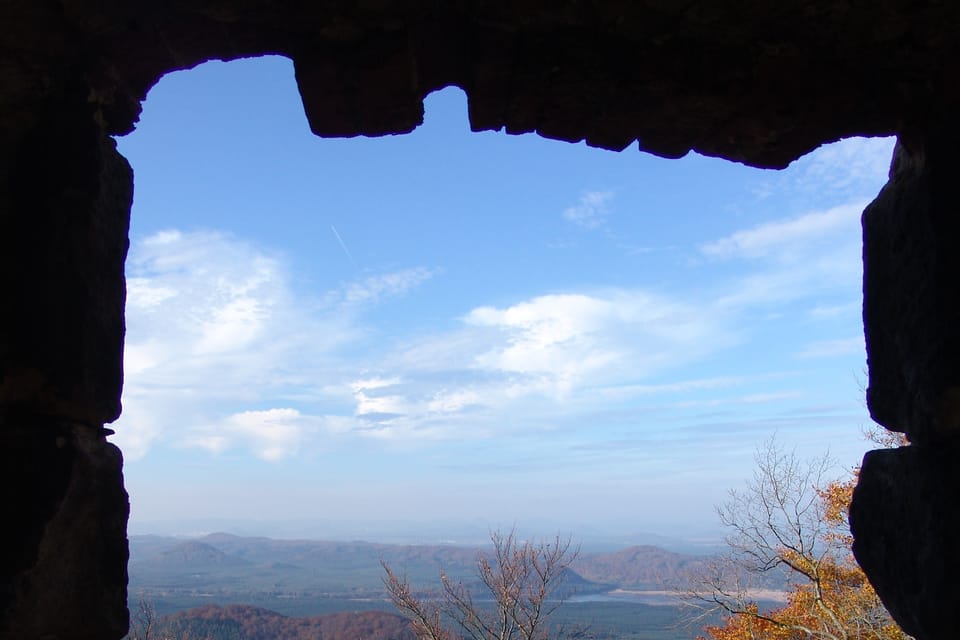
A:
(433, 533)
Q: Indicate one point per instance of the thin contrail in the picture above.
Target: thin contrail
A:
(344, 245)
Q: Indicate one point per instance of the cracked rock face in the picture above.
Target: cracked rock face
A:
(911, 302)
(65, 570)
(905, 514)
(905, 520)
(757, 82)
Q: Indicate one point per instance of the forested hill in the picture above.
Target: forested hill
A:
(220, 563)
(244, 622)
(641, 566)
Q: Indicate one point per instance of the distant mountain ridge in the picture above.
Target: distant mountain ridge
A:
(311, 551)
(285, 584)
(258, 564)
(195, 553)
(638, 567)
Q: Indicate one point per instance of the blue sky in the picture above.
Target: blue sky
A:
(456, 326)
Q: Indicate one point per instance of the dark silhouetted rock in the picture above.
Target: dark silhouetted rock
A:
(905, 521)
(64, 551)
(757, 82)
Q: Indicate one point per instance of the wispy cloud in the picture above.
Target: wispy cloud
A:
(822, 312)
(683, 386)
(750, 398)
(373, 288)
(565, 337)
(223, 353)
(367, 384)
(272, 434)
(220, 346)
(850, 170)
(655, 372)
(541, 361)
(591, 211)
(215, 332)
(849, 167)
(814, 254)
(833, 348)
(788, 235)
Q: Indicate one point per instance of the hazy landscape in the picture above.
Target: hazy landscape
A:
(582, 341)
(228, 586)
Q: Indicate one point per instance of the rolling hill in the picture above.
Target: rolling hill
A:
(252, 564)
(244, 622)
(639, 567)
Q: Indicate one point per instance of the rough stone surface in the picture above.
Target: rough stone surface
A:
(911, 303)
(65, 196)
(755, 81)
(64, 220)
(905, 515)
(63, 566)
(905, 522)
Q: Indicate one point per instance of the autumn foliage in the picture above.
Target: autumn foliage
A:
(787, 524)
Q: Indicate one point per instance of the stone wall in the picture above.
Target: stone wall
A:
(905, 513)
(752, 81)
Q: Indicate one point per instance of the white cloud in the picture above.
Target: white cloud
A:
(748, 399)
(372, 288)
(505, 368)
(216, 333)
(763, 398)
(445, 401)
(214, 328)
(271, 434)
(591, 211)
(833, 348)
(821, 311)
(368, 384)
(848, 168)
(559, 342)
(144, 294)
(140, 426)
(555, 336)
(782, 237)
(683, 386)
(805, 257)
(835, 269)
(393, 404)
(161, 238)
(215, 294)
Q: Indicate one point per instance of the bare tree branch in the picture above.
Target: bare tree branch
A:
(521, 579)
(789, 523)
